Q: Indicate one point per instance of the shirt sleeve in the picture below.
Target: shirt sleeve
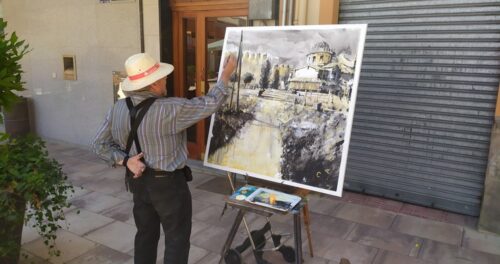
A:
(198, 108)
(103, 144)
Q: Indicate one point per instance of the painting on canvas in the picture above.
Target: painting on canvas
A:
(288, 118)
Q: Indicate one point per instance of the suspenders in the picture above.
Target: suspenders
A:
(136, 115)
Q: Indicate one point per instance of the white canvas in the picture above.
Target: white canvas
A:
(290, 123)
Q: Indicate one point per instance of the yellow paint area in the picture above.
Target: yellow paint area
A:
(257, 146)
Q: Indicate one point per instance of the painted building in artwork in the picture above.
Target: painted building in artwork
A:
(252, 62)
(284, 71)
(324, 71)
(305, 79)
(346, 62)
(320, 54)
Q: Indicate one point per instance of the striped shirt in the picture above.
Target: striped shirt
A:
(162, 132)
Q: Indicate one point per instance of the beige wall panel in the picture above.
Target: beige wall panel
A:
(314, 12)
(329, 12)
(313, 9)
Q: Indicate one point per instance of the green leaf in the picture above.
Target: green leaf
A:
(13, 37)
(38, 180)
(12, 50)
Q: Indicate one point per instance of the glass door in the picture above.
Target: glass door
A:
(198, 41)
(215, 28)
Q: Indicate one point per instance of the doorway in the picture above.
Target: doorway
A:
(198, 39)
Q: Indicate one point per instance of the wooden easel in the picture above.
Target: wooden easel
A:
(305, 211)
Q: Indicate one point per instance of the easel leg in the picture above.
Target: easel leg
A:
(232, 179)
(231, 235)
(305, 211)
(298, 238)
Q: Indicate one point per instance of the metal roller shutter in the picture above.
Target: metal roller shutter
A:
(426, 100)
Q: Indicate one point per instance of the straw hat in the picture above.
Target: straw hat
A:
(143, 70)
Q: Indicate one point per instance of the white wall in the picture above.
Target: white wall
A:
(101, 36)
(151, 28)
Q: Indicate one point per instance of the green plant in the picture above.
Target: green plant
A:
(28, 177)
(28, 174)
(12, 50)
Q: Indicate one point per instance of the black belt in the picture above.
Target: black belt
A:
(155, 172)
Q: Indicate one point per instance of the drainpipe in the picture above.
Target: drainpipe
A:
(290, 12)
(287, 13)
(141, 24)
(283, 13)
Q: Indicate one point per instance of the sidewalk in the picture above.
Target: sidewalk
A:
(360, 228)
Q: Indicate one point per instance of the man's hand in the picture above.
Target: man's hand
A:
(135, 165)
(228, 69)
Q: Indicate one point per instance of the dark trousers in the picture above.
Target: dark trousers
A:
(164, 200)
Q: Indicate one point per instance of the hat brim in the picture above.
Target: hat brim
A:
(165, 69)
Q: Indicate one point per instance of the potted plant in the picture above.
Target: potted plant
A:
(29, 178)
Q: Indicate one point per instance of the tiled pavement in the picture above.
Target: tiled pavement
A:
(360, 228)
